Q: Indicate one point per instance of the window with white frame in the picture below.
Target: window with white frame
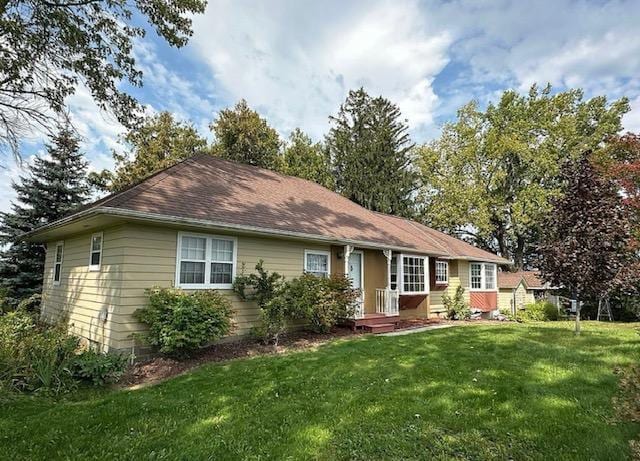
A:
(483, 276)
(57, 263)
(95, 252)
(414, 274)
(442, 272)
(317, 262)
(490, 276)
(205, 261)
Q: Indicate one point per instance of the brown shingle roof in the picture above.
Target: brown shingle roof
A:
(513, 279)
(211, 189)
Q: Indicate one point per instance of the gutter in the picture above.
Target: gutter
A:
(179, 220)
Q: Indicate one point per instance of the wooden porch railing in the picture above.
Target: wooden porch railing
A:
(387, 301)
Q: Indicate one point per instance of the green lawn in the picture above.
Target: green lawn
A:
(477, 392)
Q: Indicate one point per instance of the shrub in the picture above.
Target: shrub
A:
(273, 321)
(264, 288)
(180, 323)
(35, 358)
(538, 312)
(31, 304)
(456, 307)
(320, 301)
(508, 314)
(261, 286)
(99, 368)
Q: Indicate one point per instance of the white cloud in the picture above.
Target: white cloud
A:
(569, 43)
(631, 121)
(295, 61)
(99, 133)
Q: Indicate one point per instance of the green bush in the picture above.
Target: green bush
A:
(538, 312)
(508, 314)
(180, 323)
(31, 304)
(265, 288)
(99, 368)
(322, 302)
(457, 308)
(33, 357)
(273, 321)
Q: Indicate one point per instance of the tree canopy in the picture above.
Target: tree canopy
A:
(243, 136)
(371, 154)
(54, 186)
(305, 159)
(586, 243)
(621, 161)
(490, 176)
(159, 142)
(50, 47)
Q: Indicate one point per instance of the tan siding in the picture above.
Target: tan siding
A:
(138, 257)
(458, 275)
(505, 299)
(83, 297)
(375, 276)
(150, 260)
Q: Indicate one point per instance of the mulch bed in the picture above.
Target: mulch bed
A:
(161, 368)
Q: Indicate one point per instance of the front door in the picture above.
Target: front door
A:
(355, 275)
(355, 270)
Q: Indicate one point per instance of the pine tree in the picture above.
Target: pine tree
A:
(371, 154)
(54, 186)
(304, 159)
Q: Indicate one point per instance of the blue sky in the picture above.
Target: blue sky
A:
(294, 61)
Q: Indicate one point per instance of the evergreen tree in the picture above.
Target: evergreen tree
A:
(54, 186)
(371, 154)
(587, 246)
(304, 159)
(243, 136)
(159, 142)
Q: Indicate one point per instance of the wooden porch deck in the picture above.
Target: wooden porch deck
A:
(374, 323)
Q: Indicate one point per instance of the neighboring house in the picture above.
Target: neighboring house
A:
(195, 225)
(517, 289)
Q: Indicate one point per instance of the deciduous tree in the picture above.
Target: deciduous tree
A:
(586, 240)
(159, 142)
(490, 176)
(306, 159)
(371, 154)
(243, 136)
(49, 47)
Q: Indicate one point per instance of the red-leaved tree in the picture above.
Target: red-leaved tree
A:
(621, 162)
(587, 245)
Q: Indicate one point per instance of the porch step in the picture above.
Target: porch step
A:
(373, 319)
(379, 328)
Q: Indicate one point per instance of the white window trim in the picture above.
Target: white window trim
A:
(95, 267)
(317, 252)
(483, 277)
(400, 274)
(207, 285)
(55, 262)
(445, 282)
